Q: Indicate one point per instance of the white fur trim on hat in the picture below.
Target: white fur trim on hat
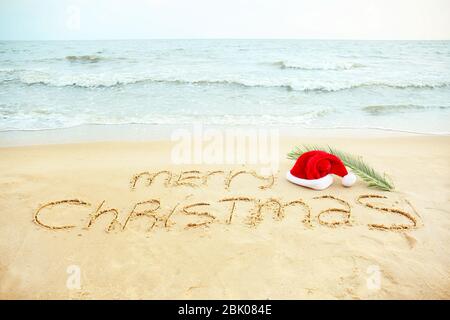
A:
(316, 184)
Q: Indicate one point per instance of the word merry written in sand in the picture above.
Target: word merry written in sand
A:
(195, 178)
(203, 213)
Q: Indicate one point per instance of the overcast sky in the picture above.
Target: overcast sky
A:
(305, 19)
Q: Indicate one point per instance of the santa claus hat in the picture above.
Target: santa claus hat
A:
(314, 169)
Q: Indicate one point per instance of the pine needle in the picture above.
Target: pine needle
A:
(355, 163)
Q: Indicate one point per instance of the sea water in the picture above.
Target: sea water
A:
(400, 85)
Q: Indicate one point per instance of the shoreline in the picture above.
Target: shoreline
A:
(144, 132)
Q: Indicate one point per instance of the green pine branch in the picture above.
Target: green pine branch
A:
(356, 164)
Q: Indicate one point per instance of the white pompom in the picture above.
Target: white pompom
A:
(348, 180)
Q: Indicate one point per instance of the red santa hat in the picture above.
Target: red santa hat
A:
(315, 169)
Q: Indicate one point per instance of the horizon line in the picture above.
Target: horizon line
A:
(231, 38)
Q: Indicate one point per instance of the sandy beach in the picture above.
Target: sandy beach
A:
(221, 232)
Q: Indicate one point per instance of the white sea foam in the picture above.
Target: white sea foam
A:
(102, 80)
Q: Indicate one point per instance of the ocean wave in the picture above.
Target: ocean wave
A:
(84, 58)
(36, 77)
(243, 84)
(399, 108)
(375, 85)
(288, 87)
(39, 78)
(336, 67)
